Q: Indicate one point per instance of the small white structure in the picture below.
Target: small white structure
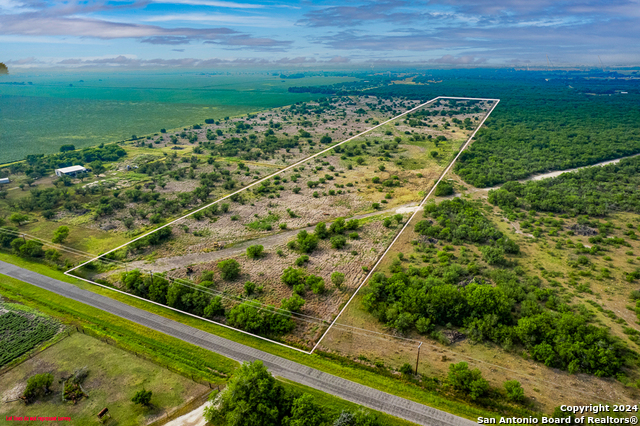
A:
(4, 181)
(70, 171)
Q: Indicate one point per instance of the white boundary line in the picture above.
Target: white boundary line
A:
(411, 218)
(304, 160)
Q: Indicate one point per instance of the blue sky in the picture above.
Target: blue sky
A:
(211, 33)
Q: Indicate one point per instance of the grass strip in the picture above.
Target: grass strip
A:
(344, 370)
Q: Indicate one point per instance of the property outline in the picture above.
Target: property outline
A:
(291, 166)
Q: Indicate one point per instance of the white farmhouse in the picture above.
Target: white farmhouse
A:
(70, 171)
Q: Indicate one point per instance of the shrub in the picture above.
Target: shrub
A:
(321, 231)
(292, 276)
(37, 385)
(406, 369)
(337, 278)
(306, 242)
(255, 251)
(315, 283)
(249, 287)
(229, 269)
(301, 260)
(142, 397)
(338, 242)
(514, 390)
(470, 382)
(293, 304)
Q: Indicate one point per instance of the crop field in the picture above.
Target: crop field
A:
(43, 112)
(22, 329)
(302, 241)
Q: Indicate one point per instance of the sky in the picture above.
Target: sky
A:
(339, 33)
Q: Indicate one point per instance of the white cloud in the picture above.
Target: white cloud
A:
(213, 3)
(221, 18)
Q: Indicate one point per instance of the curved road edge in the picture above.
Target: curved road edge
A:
(334, 385)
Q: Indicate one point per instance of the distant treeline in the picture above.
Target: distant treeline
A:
(546, 120)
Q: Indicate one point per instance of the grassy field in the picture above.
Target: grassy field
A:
(62, 307)
(157, 347)
(89, 108)
(114, 376)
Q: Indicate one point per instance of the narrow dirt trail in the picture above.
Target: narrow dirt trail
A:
(168, 263)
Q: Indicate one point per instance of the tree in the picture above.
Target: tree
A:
(337, 278)
(255, 251)
(325, 139)
(97, 167)
(443, 189)
(229, 269)
(3, 69)
(142, 397)
(215, 308)
(470, 382)
(37, 385)
(305, 412)
(67, 148)
(60, 235)
(321, 231)
(251, 398)
(514, 390)
(307, 242)
(18, 218)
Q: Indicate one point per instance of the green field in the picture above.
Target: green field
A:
(113, 378)
(58, 109)
(22, 329)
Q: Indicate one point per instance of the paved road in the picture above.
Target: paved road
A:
(351, 391)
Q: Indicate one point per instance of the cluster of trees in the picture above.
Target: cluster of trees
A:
(254, 397)
(250, 315)
(594, 191)
(306, 242)
(38, 165)
(521, 140)
(514, 312)
(461, 221)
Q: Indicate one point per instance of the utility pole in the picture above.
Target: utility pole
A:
(418, 358)
(601, 63)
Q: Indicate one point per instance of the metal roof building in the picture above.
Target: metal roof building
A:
(70, 171)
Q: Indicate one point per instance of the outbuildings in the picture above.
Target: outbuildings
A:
(70, 171)
(4, 181)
